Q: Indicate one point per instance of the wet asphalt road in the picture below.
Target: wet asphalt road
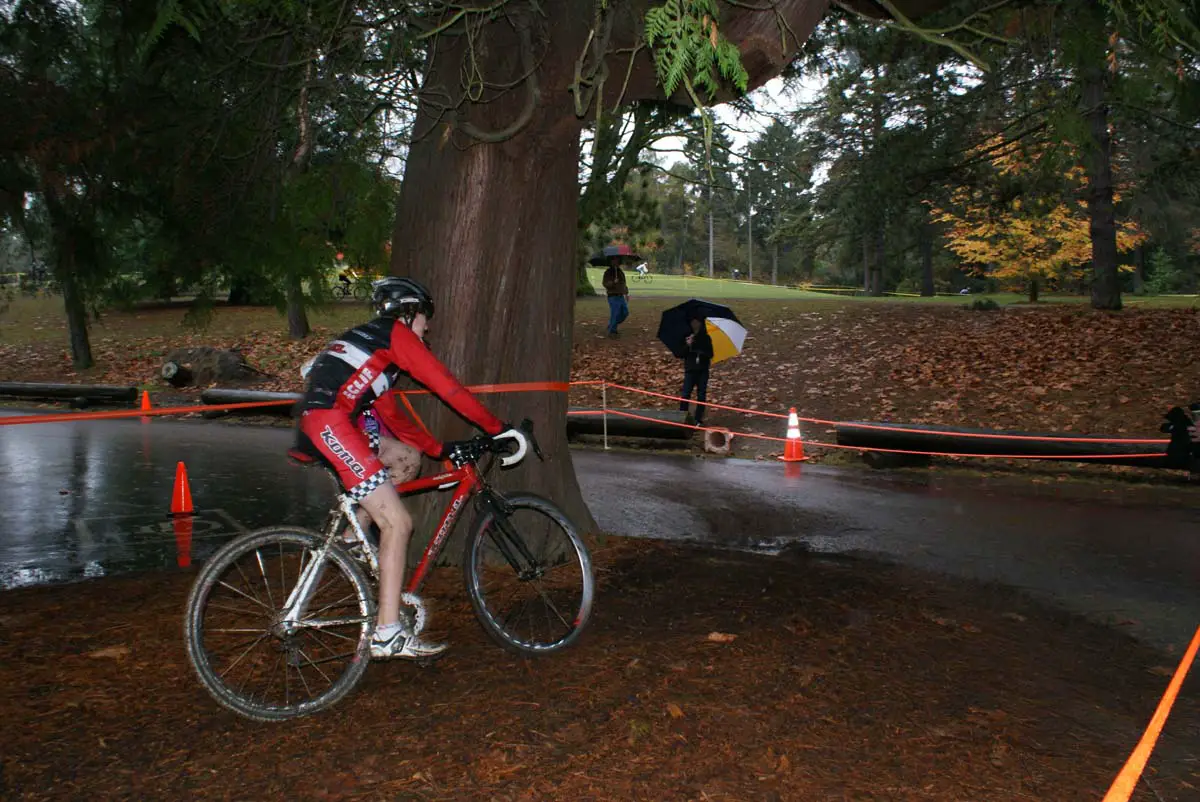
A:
(89, 499)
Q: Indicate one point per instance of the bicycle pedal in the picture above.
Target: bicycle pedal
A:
(427, 662)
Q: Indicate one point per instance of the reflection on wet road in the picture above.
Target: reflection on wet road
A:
(88, 499)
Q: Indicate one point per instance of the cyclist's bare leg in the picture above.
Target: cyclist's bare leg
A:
(387, 509)
(402, 460)
(403, 463)
(395, 528)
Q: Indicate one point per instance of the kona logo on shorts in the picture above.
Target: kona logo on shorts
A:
(354, 389)
(339, 451)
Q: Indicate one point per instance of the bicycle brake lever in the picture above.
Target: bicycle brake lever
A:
(527, 428)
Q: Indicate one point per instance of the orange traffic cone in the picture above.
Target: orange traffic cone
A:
(181, 499)
(793, 451)
(145, 401)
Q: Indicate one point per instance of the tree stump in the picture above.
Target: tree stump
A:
(204, 365)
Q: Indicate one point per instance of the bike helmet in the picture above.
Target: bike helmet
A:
(401, 297)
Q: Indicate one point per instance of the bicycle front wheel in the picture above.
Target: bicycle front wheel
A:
(528, 575)
(247, 656)
(362, 292)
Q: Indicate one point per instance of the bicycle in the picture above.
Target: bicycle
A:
(359, 290)
(639, 276)
(319, 633)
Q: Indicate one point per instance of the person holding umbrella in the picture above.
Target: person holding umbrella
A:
(696, 362)
(701, 333)
(615, 285)
(618, 295)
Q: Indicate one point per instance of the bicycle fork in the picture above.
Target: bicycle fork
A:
(310, 576)
(510, 544)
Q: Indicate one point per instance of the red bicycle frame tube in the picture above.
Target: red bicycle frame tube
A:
(469, 482)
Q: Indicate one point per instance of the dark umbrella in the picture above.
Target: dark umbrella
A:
(675, 324)
(601, 257)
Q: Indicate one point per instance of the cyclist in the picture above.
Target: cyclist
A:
(345, 380)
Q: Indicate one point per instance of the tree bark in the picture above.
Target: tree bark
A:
(866, 258)
(66, 235)
(1139, 273)
(774, 263)
(1106, 286)
(77, 325)
(490, 228)
(488, 207)
(873, 245)
(927, 287)
(583, 284)
(750, 228)
(297, 315)
(1033, 291)
(711, 273)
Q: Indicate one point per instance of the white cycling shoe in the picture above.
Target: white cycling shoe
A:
(405, 645)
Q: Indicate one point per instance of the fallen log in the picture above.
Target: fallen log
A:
(926, 440)
(218, 396)
(75, 393)
(590, 420)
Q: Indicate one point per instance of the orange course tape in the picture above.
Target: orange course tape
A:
(71, 417)
(1123, 785)
(561, 387)
(885, 427)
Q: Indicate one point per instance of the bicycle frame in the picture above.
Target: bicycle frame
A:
(469, 482)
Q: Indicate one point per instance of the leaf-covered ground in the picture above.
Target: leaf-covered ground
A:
(1055, 368)
(843, 679)
(704, 676)
(1052, 368)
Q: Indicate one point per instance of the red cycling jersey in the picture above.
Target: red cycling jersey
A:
(356, 371)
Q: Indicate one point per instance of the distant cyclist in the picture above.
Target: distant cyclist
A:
(346, 380)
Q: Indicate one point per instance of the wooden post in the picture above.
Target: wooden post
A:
(604, 406)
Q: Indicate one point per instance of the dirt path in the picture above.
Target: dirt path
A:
(846, 680)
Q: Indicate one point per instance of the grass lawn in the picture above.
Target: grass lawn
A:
(662, 285)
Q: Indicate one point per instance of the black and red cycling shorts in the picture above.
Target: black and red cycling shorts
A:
(345, 448)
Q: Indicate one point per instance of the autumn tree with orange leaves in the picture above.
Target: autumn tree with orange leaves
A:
(1021, 230)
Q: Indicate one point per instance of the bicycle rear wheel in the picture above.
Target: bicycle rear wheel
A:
(246, 657)
(528, 575)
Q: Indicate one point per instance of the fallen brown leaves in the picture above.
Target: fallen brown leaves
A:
(1043, 369)
(1053, 368)
(874, 700)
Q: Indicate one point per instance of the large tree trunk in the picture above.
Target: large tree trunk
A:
(488, 208)
(1106, 285)
(491, 228)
